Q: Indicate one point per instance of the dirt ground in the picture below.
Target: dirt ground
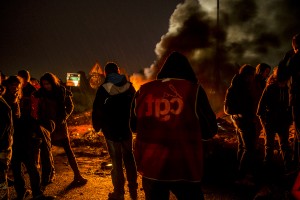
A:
(94, 163)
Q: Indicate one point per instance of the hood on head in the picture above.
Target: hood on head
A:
(177, 66)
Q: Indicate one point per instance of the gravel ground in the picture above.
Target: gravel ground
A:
(92, 157)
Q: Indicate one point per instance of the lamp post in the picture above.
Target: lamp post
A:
(217, 58)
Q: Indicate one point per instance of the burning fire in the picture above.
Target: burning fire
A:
(137, 80)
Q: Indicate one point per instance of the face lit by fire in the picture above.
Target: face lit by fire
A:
(46, 85)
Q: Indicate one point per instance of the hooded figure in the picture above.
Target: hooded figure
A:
(171, 116)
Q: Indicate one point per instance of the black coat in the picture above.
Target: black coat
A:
(240, 98)
(273, 108)
(56, 106)
(111, 110)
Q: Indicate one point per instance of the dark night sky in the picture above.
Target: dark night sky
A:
(63, 36)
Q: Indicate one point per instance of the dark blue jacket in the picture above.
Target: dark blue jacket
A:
(111, 108)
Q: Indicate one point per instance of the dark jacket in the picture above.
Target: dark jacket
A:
(168, 115)
(294, 71)
(26, 100)
(273, 108)
(111, 107)
(25, 126)
(6, 133)
(240, 98)
(259, 86)
(57, 106)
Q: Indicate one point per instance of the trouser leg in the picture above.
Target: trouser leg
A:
(130, 165)
(16, 166)
(296, 145)
(115, 152)
(269, 146)
(34, 176)
(184, 190)
(47, 163)
(71, 157)
(155, 190)
(284, 146)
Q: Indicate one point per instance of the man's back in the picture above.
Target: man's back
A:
(111, 109)
(169, 133)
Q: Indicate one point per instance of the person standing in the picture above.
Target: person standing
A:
(276, 117)
(111, 112)
(55, 103)
(6, 140)
(24, 143)
(262, 72)
(171, 116)
(240, 104)
(293, 67)
(40, 134)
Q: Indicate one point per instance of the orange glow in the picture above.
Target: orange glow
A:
(137, 80)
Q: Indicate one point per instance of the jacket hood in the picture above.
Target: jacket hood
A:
(177, 66)
(116, 84)
(113, 89)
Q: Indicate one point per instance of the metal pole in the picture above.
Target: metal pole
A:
(217, 62)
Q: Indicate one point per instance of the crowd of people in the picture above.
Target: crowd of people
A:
(259, 103)
(33, 119)
(171, 117)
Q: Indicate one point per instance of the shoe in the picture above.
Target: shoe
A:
(115, 196)
(79, 181)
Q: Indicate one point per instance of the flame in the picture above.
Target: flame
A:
(137, 80)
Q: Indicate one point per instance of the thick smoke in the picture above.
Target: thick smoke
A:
(250, 31)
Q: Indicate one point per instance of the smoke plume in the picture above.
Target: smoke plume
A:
(249, 31)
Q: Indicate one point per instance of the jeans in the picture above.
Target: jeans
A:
(25, 156)
(119, 152)
(183, 190)
(246, 135)
(65, 143)
(47, 162)
(283, 134)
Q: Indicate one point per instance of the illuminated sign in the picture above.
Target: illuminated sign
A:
(73, 79)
